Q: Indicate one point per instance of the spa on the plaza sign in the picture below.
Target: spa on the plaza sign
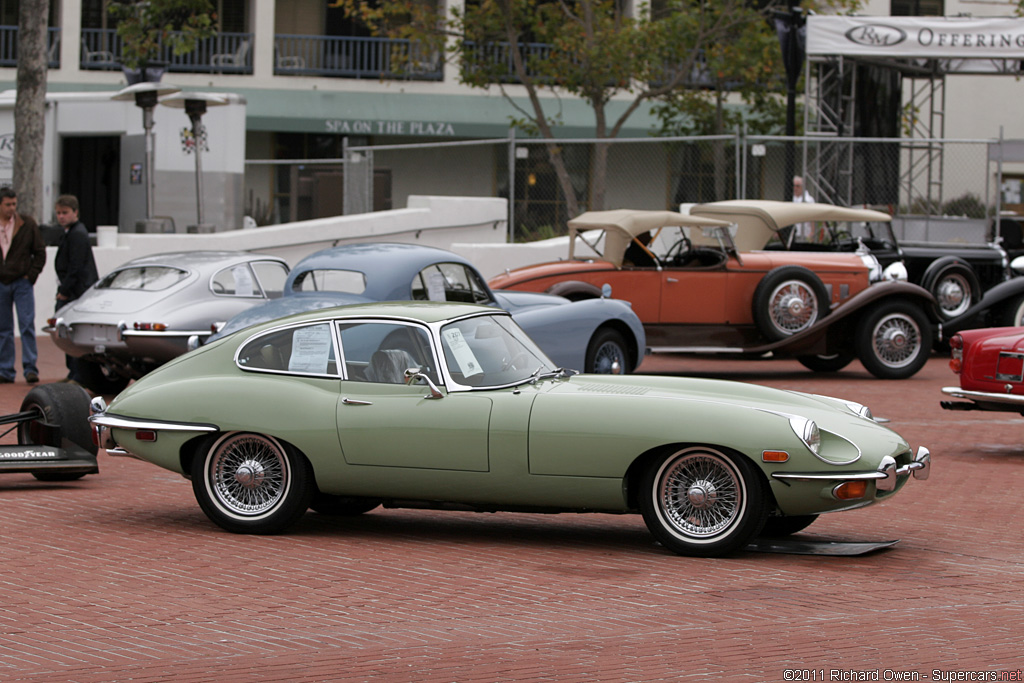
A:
(368, 127)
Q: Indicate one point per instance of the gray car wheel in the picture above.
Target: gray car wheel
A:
(251, 483)
(698, 501)
(894, 340)
(788, 300)
(607, 354)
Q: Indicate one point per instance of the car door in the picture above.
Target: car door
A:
(693, 295)
(384, 422)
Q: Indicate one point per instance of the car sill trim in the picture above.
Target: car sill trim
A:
(118, 422)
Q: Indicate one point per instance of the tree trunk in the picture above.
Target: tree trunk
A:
(30, 107)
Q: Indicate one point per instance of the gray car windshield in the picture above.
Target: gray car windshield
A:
(491, 351)
(143, 278)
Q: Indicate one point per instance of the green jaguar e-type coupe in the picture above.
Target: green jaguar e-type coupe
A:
(453, 406)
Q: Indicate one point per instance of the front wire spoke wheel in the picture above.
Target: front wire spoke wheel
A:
(699, 501)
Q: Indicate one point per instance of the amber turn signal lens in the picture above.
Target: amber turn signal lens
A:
(774, 456)
(851, 490)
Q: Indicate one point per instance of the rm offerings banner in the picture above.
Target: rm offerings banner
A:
(927, 37)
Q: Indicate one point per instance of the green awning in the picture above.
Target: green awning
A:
(414, 115)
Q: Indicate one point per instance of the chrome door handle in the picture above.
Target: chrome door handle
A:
(355, 402)
(671, 279)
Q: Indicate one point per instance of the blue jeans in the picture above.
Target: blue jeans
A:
(18, 295)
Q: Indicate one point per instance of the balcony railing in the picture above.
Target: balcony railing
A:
(496, 58)
(224, 53)
(344, 57)
(9, 46)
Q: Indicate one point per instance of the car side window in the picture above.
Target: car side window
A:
(382, 352)
(236, 280)
(303, 350)
(330, 280)
(450, 282)
(271, 276)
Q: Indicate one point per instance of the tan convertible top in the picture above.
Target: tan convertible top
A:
(622, 225)
(759, 219)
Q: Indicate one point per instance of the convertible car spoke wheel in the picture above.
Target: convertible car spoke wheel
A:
(607, 354)
(894, 341)
(701, 502)
(955, 287)
(789, 300)
(252, 483)
(827, 363)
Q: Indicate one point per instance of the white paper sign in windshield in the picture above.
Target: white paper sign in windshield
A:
(311, 349)
(464, 356)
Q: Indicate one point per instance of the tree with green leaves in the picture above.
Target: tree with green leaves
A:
(149, 28)
(589, 49)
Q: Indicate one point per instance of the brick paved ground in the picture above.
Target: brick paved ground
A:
(120, 577)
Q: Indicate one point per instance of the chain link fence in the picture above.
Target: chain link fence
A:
(937, 190)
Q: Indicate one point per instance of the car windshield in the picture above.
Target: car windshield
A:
(143, 278)
(491, 351)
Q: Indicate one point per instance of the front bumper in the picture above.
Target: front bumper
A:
(885, 477)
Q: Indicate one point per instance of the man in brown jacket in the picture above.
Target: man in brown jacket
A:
(24, 254)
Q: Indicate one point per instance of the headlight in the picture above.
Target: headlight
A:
(896, 271)
(808, 432)
(874, 267)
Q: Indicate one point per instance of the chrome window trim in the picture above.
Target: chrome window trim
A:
(287, 373)
(405, 322)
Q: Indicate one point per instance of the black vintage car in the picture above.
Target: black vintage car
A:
(958, 275)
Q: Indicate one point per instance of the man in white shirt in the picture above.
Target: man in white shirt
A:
(802, 196)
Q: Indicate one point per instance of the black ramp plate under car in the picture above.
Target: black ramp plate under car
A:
(795, 545)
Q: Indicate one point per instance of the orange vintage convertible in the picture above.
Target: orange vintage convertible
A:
(703, 284)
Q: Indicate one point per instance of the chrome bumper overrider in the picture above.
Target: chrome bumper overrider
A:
(884, 477)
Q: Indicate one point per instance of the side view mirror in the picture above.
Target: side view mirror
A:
(415, 375)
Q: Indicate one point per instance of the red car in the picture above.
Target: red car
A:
(704, 284)
(990, 363)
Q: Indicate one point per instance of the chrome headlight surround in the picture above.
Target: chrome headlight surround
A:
(896, 271)
(807, 431)
(875, 273)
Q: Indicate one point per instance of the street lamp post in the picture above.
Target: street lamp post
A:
(145, 95)
(195, 105)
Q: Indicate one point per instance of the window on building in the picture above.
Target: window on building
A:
(231, 15)
(917, 8)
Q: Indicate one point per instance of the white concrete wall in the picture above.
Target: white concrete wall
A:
(433, 221)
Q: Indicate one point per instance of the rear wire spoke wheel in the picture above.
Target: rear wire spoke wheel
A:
(701, 502)
(251, 483)
(894, 341)
(789, 300)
